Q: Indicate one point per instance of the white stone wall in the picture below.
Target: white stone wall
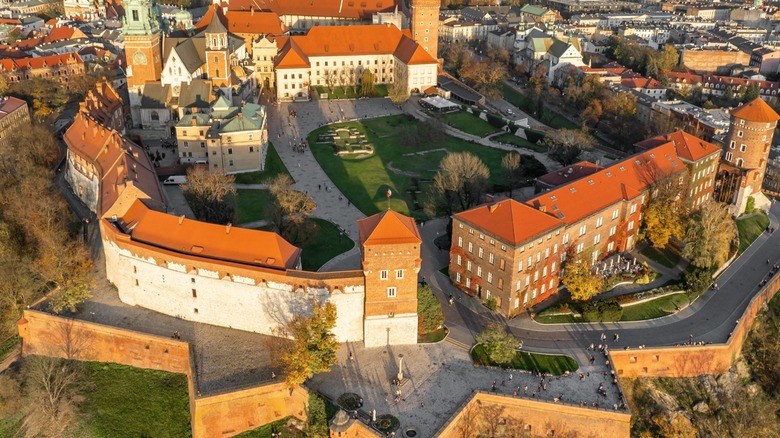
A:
(86, 188)
(398, 330)
(221, 301)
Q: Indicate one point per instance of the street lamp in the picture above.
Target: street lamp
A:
(400, 375)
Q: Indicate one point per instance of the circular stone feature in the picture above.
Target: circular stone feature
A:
(386, 423)
(411, 432)
(350, 401)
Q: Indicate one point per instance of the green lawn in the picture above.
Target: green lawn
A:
(517, 99)
(519, 142)
(550, 118)
(668, 257)
(122, 401)
(366, 180)
(557, 319)
(656, 308)
(252, 204)
(434, 336)
(266, 430)
(749, 230)
(380, 90)
(468, 123)
(325, 245)
(273, 166)
(545, 363)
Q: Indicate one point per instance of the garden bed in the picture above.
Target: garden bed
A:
(543, 363)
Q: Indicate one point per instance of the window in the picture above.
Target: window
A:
(460, 242)
(544, 272)
(732, 144)
(612, 231)
(383, 274)
(460, 260)
(186, 144)
(468, 265)
(615, 213)
(552, 267)
(630, 225)
(491, 258)
(501, 264)
(251, 149)
(135, 15)
(520, 266)
(457, 277)
(230, 162)
(230, 150)
(479, 271)
(583, 229)
(599, 222)
(194, 293)
(739, 134)
(501, 283)
(633, 208)
(536, 275)
(399, 273)
(481, 253)
(490, 277)
(471, 247)
(391, 292)
(742, 147)
(580, 247)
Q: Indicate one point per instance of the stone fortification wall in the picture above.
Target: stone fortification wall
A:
(227, 294)
(709, 61)
(501, 414)
(691, 361)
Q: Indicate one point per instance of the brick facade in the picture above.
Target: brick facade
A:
(425, 24)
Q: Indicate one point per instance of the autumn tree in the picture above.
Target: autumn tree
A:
(367, 82)
(579, 280)
(513, 170)
(664, 215)
(592, 114)
(313, 347)
(51, 383)
(459, 184)
(211, 195)
(485, 76)
(430, 315)
(290, 211)
(566, 145)
(500, 345)
(710, 233)
(331, 78)
(398, 92)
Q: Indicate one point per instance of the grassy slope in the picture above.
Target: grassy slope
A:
(468, 123)
(749, 230)
(251, 204)
(366, 181)
(324, 246)
(656, 308)
(666, 256)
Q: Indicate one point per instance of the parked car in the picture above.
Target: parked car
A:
(175, 179)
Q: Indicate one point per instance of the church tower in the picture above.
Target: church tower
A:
(745, 155)
(217, 62)
(142, 43)
(425, 25)
(390, 248)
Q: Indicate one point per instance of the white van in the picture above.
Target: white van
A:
(175, 179)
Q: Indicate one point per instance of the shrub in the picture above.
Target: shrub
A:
(534, 136)
(697, 281)
(491, 303)
(602, 311)
(495, 120)
(430, 315)
(750, 205)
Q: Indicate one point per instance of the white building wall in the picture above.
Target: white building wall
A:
(398, 330)
(292, 83)
(83, 186)
(225, 302)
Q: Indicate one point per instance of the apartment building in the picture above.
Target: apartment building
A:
(13, 114)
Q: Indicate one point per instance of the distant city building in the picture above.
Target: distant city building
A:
(14, 114)
(60, 68)
(103, 104)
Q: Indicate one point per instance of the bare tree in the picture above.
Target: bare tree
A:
(211, 195)
(51, 383)
(513, 170)
(291, 210)
(459, 184)
(399, 90)
(331, 78)
(566, 145)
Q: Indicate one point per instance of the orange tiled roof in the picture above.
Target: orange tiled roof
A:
(756, 111)
(412, 53)
(261, 23)
(40, 62)
(207, 17)
(388, 227)
(569, 173)
(623, 180)
(510, 221)
(291, 56)
(318, 8)
(119, 162)
(212, 241)
(101, 103)
(10, 104)
(641, 82)
(688, 147)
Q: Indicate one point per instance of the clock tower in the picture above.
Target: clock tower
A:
(142, 49)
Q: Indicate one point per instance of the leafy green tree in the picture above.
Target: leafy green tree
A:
(317, 418)
(501, 345)
(367, 83)
(710, 233)
(429, 314)
(579, 280)
(751, 92)
(313, 348)
(697, 280)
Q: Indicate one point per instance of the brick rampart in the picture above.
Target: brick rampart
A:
(691, 361)
(222, 415)
(497, 414)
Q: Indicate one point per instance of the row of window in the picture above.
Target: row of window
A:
(352, 62)
(385, 274)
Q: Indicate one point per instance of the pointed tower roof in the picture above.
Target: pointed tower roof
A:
(756, 111)
(388, 227)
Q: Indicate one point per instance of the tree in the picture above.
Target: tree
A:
(51, 382)
(501, 346)
(592, 114)
(566, 145)
(664, 214)
(429, 314)
(399, 89)
(513, 170)
(317, 418)
(291, 210)
(331, 78)
(459, 184)
(313, 348)
(708, 238)
(367, 83)
(3, 86)
(581, 283)
(751, 92)
(211, 195)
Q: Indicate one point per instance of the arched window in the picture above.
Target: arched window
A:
(739, 162)
(155, 116)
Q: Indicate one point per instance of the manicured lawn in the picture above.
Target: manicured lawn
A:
(468, 123)
(380, 90)
(557, 319)
(325, 245)
(122, 401)
(749, 230)
(432, 337)
(545, 363)
(366, 180)
(666, 256)
(656, 308)
(519, 142)
(550, 118)
(273, 166)
(517, 99)
(252, 204)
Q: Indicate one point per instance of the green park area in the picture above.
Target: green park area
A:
(544, 363)
(273, 166)
(468, 123)
(571, 313)
(327, 242)
(550, 118)
(396, 162)
(252, 204)
(512, 139)
(667, 256)
(750, 228)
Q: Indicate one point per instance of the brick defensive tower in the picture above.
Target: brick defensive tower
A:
(425, 25)
(745, 155)
(390, 248)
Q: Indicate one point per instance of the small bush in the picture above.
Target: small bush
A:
(602, 311)
(491, 303)
(496, 121)
(750, 205)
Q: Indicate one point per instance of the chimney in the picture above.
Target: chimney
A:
(181, 219)
(227, 228)
(493, 207)
(252, 10)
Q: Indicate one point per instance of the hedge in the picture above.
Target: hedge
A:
(602, 311)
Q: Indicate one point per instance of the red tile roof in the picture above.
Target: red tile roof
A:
(642, 83)
(688, 147)
(756, 111)
(318, 8)
(510, 221)
(9, 65)
(570, 173)
(212, 241)
(623, 180)
(261, 23)
(10, 104)
(387, 228)
(412, 53)
(291, 56)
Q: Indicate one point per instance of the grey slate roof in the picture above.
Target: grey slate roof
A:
(155, 95)
(189, 50)
(196, 94)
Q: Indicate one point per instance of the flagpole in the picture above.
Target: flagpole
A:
(389, 193)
